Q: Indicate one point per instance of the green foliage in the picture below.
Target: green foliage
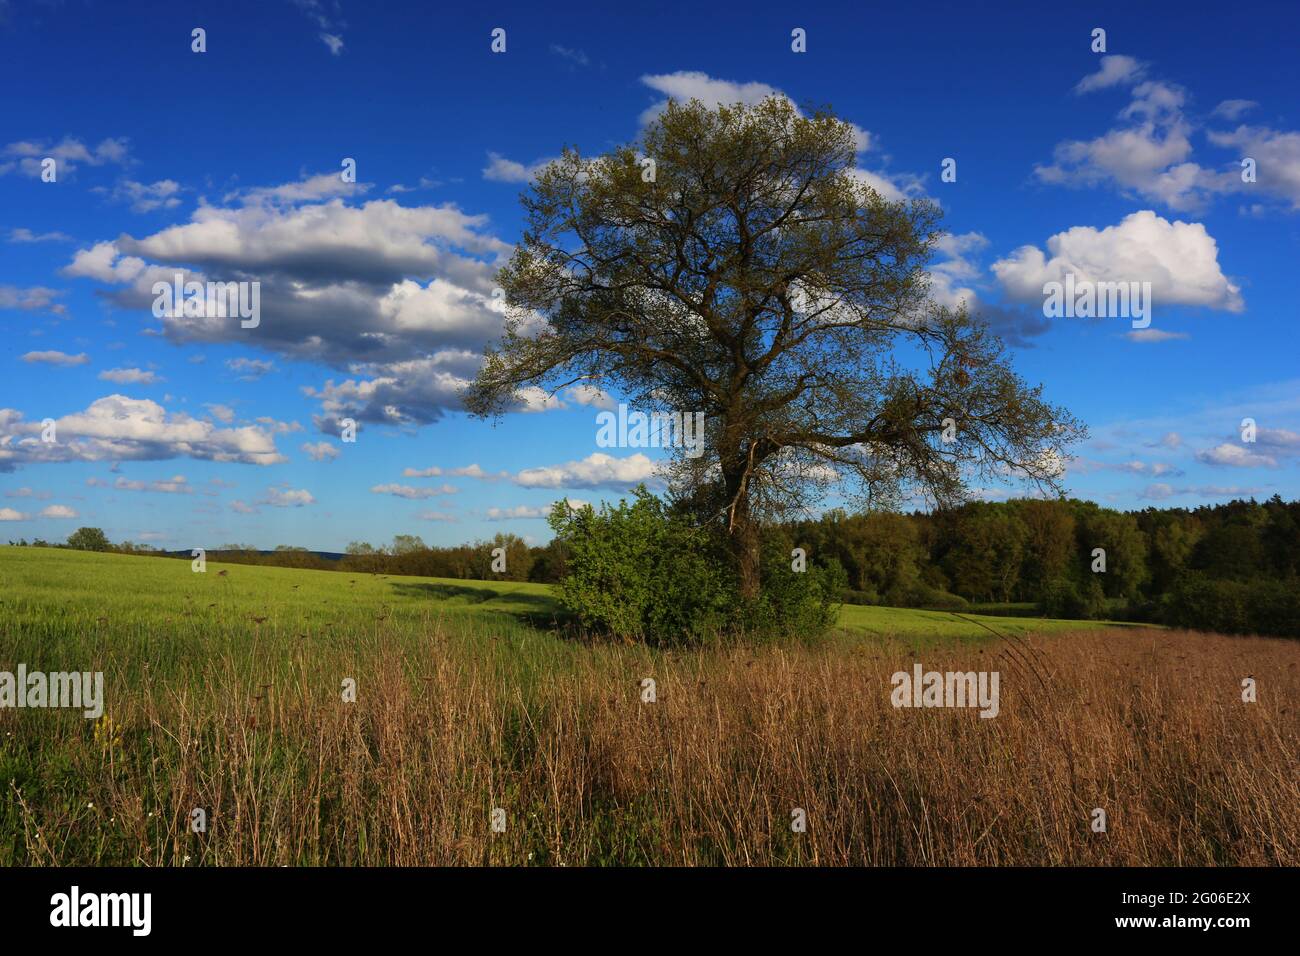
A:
(642, 570)
(635, 570)
(1233, 607)
(88, 539)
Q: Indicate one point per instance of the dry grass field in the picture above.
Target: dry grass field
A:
(460, 711)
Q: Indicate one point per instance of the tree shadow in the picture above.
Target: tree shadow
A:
(540, 612)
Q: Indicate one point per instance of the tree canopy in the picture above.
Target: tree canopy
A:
(734, 262)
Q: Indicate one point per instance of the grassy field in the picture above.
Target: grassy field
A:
(223, 693)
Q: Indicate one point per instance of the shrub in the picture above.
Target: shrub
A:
(644, 571)
(1233, 607)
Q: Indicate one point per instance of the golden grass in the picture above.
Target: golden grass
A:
(1148, 725)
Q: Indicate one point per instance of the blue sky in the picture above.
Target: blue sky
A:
(377, 294)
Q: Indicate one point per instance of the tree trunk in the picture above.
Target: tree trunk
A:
(742, 535)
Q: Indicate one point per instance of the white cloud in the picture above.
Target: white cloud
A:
(250, 370)
(147, 197)
(10, 514)
(58, 511)
(686, 85)
(1114, 70)
(1235, 456)
(56, 358)
(1277, 158)
(1233, 110)
(26, 156)
(321, 451)
(412, 493)
(31, 299)
(287, 498)
(177, 485)
(597, 470)
(528, 511)
(502, 170)
(1179, 259)
(117, 428)
(21, 235)
(1153, 335)
(129, 376)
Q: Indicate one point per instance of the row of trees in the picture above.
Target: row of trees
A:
(1232, 567)
(1158, 563)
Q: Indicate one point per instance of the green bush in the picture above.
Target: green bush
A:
(1063, 598)
(1233, 607)
(643, 571)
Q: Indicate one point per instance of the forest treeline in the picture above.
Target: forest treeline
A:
(1233, 568)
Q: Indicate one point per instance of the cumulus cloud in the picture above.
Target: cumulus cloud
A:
(1277, 158)
(1235, 456)
(58, 511)
(1179, 259)
(399, 298)
(597, 470)
(117, 428)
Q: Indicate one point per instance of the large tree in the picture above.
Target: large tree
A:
(735, 262)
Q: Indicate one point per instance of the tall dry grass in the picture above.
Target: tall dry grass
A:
(1148, 725)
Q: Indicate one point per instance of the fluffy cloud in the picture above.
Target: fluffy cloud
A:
(57, 511)
(1179, 259)
(597, 470)
(1149, 154)
(400, 298)
(1276, 155)
(1235, 456)
(117, 428)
